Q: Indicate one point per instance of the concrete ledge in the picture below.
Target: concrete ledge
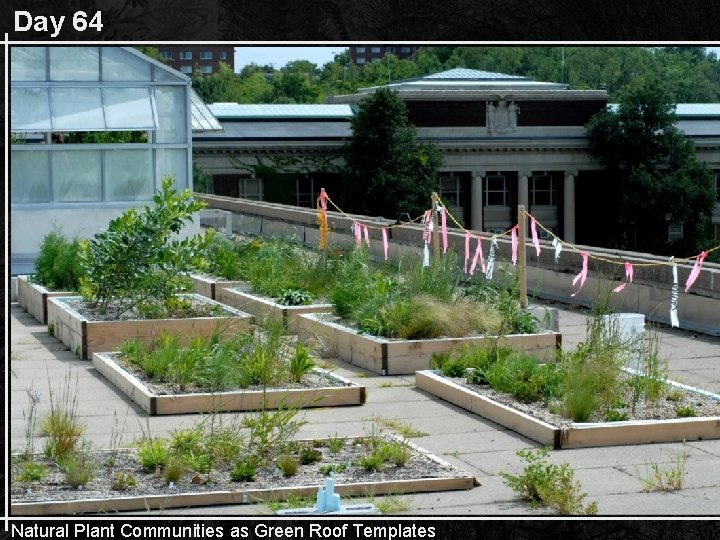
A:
(649, 294)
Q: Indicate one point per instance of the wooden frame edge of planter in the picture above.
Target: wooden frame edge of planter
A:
(574, 435)
(503, 415)
(88, 337)
(263, 308)
(211, 287)
(405, 357)
(184, 500)
(205, 402)
(33, 298)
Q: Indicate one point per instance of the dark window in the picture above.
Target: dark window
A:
(542, 190)
(496, 192)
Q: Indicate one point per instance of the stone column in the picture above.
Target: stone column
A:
(476, 201)
(523, 197)
(568, 233)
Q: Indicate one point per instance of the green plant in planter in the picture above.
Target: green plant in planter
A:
(301, 363)
(138, 259)
(58, 265)
(294, 297)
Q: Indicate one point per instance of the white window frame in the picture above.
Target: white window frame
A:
(206, 55)
(185, 55)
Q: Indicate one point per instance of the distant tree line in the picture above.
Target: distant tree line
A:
(690, 74)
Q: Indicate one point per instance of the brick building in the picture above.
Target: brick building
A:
(204, 58)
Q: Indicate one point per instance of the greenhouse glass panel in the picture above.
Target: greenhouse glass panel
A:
(77, 176)
(119, 65)
(128, 175)
(30, 178)
(128, 108)
(78, 109)
(28, 63)
(74, 63)
(29, 109)
(172, 163)
(172, 114)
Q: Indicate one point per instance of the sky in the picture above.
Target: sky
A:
(280, 55)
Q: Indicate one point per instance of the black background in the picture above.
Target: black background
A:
(416, 21)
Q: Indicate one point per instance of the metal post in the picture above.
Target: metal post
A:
(522, 276)
(436, 227)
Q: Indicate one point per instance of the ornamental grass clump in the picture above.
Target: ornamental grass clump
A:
(419, 303)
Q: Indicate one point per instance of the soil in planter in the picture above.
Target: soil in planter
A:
(185, 307)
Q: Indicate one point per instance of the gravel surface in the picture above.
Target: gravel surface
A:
(53, 487)
(662, 409)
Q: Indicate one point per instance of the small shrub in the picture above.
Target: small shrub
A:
(58, 263)
(138, 259)
(288, 464)
(244, 470)
(51, 328)
(543, 483)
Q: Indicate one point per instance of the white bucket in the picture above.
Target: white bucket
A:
(630, 328)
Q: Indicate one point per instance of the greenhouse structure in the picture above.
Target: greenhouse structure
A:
(94, 130)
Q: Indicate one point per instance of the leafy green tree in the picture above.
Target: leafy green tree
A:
(388, 173)
(659, 179)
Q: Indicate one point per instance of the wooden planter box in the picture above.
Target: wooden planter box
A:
(574, 435)
(239, 400)
(86, 337)
(33, 298)
(245, 496)
(403, 357)
(210, 287)
(265, 309)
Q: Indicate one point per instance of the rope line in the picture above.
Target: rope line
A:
(507, 232)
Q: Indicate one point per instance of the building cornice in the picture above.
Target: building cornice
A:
(485, 95)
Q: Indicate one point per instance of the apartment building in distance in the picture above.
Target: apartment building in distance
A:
(204, 58)
(366, 54)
